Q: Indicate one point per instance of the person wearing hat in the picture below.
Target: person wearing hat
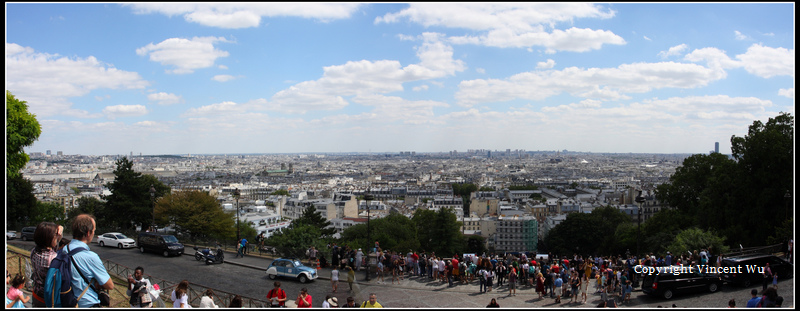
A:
(330, 302)
(668, 260)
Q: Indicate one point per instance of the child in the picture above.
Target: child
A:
(628, 291)
(775, 280)
(14, 292)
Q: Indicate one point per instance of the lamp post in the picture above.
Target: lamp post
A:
(788, 197)
(368, 197)
(639, 200)
(153, 200)
(236, 194)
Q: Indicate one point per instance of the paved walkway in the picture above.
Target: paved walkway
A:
(421, 292)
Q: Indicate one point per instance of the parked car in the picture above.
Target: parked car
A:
(746, 277)
(291, 268)
(159, 243)
(27, 233)
(10, 235)
(115, 239)
(667, 284)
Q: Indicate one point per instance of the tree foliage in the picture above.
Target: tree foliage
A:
(196, 214)
(439, 231)
(130, 203)
(314, 218)
(22, 129)
(592, 233)
(696, 239)
(744, 197)
(295, 241)
(20, 201)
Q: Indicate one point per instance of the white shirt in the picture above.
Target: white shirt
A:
(334, 275)
(176, 302)
(207, 303)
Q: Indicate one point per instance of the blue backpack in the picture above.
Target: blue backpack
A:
(58, 291)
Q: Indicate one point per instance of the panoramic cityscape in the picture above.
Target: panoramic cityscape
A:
(401, 155)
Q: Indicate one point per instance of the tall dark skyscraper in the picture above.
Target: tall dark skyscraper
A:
(716, 147)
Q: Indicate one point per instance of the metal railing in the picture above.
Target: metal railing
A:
(770, 249)
(221, 298)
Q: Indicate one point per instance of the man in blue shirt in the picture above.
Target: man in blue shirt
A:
(557, 284)
(89, 263)
(753, 302)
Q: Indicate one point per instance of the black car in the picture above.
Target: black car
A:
(679, 280)
(749, 268)
(27, 233)
(159, 243)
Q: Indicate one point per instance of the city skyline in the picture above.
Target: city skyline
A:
(275, 78)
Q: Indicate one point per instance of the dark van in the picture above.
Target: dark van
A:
(27, 233)
(755, 262)
(159, 243)
(679, 281)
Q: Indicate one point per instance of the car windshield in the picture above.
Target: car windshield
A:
(170, 239)
(121, 236)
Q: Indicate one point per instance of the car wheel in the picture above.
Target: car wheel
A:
(303, 278)
(271, 276)
(101, 244)
(667, 294)
(141, 249)
(119, 245)
(713, 287)
(166, 254)
(24, 238)
(746, 283)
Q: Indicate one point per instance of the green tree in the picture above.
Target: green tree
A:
(393, 232)
(280, 192)
(295, 241)
(22, 129)
(439, 231)
(475, 244)
(20, 201)
(314, 218)
(91, 206)
(695, 239)
(49, 211)
(765, 157)
(130, 203)
(196, 214)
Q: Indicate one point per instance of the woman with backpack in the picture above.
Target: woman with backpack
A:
(46, 236)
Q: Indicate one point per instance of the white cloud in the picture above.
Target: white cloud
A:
(675, 50)
(598, 83)
(480, 70)
(185, 55)
(117, 111)
(367, 78)
(767, 62)
(788, 93)
(223, 78)
(423, 87)
(513, 24)
(245, 15)
(739, 35)
(47, 81)
(646, 38)
(546, 65)
(714, 58)
(165, 98)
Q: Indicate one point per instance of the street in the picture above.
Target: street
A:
(246, 277)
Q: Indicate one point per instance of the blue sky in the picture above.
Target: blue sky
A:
(178, 78)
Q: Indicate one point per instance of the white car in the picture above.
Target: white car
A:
(116, 239)
(11, 235)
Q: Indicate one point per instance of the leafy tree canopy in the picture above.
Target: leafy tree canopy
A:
(20, 202)
(130, 202)
(196, 214)
(313, 218)
(22, 129)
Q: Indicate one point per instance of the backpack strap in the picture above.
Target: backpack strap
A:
(72, 261)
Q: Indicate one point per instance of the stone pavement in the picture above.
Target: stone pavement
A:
(421, 292)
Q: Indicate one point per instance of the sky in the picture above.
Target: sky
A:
(207, 78)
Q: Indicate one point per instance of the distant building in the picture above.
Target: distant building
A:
(516, 234)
